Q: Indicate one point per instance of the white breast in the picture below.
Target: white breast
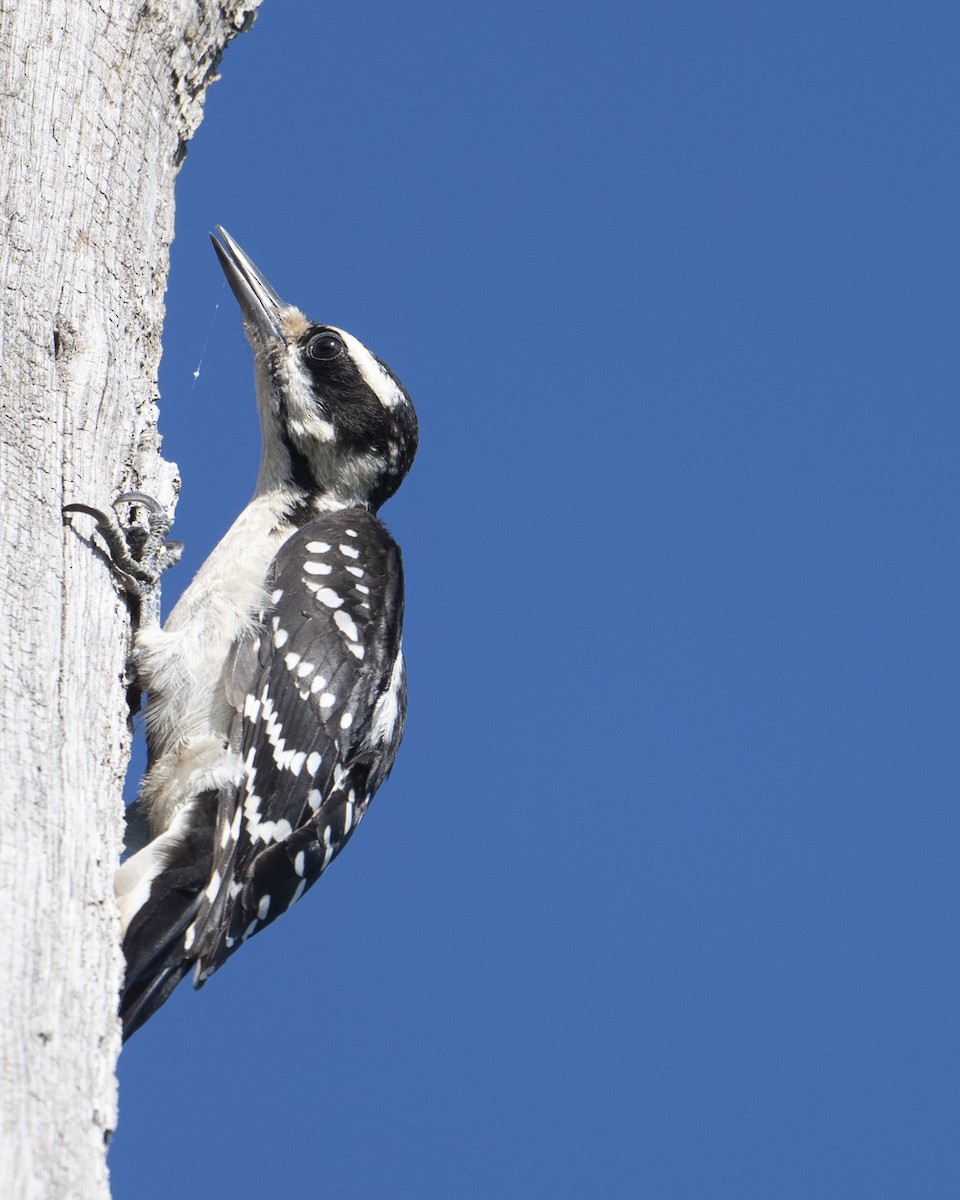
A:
(181, 666)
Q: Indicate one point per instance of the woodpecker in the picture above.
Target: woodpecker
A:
(276, 687)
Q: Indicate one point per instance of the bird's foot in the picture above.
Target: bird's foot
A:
(139, 553)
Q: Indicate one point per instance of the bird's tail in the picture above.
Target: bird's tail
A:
(160, 892)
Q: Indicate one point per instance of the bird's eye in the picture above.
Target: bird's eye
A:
(324, 346)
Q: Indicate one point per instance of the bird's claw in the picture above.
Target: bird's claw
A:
(139, 552)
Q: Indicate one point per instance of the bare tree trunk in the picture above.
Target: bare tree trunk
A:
(97, 101)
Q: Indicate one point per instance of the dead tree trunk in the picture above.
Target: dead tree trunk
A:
(97, 101)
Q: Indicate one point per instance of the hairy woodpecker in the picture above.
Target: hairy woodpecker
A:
(276, 691)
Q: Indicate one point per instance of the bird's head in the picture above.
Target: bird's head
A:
(338, 425)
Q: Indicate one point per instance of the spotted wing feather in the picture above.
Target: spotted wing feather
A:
(321, 701)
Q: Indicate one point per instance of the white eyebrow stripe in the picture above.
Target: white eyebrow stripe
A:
(381, 382)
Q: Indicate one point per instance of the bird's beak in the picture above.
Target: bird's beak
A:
(259, 302)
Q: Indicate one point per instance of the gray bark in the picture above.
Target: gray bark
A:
(97, 101)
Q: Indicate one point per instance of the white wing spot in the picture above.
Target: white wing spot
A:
(301, 888)
(358, 571)
(263, 908)
(276, 596)
(251, 707)
(349, 551)
(327, 700)
(280, 638)
(265, 831)
(213, 887)
(306, 668)
(272, 727)
(347, 624)
(362, 589)
(313, 762)
(350, 533)
(291, 660)
(318, 683)
(317, 568)
(317, 547)
(329, 597)
(329, 852)
(356, 649)
(282, 829)
(314, 799)
(346, 720)
(298, 863)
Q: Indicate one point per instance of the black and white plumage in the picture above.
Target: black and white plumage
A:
(276, 688)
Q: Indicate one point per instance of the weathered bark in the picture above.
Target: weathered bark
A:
(97, 101)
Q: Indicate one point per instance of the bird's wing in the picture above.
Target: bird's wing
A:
(320, 697)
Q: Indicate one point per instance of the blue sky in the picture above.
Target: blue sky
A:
(662, 897)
